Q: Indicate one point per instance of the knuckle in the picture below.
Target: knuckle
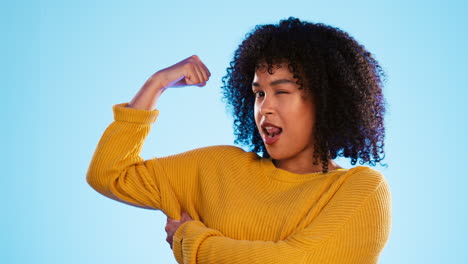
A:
(190, 66)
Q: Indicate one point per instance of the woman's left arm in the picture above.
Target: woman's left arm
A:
(355, 235)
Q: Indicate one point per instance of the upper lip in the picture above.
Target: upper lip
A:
(264, 125)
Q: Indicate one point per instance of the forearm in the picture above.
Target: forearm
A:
(149, 94)
(194, 243)
(355, 235)
(190, 71)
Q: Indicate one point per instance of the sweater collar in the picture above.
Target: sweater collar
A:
(283, 175)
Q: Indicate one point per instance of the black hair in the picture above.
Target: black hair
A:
(344, 78)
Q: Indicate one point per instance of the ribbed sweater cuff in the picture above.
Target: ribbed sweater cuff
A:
(188, 238)
(132, 115)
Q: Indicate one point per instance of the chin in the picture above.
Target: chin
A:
(276, 155)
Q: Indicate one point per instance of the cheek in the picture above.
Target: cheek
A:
(302, 118)
(257, 113)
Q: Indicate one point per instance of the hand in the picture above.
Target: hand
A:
(191, 71)
(172, 226)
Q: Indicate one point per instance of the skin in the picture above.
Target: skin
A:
(190, 71)
(172, 226)
(278, 101)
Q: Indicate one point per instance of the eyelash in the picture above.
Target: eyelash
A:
(261, 94)
(257, 94)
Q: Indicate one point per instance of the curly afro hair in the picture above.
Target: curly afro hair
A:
(344, 78)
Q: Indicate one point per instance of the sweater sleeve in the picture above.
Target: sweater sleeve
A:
(117, 171)
(346, 231)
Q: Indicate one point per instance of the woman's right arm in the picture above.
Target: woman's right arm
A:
(190, 71)
(116, 169)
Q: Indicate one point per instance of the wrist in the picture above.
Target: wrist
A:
(158, 82)
(177, 243)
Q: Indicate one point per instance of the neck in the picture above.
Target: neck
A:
(304, 166)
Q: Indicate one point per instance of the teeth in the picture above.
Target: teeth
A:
(269, 131)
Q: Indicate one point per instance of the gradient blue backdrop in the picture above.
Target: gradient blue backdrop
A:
(65, 64)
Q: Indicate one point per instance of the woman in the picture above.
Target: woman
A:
(302, 94)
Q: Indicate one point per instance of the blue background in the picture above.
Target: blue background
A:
(65, 64)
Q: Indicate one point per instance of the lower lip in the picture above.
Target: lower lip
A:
(271, 140)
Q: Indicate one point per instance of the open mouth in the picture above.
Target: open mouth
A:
(271, 133)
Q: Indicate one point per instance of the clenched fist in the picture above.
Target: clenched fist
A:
(191, 71)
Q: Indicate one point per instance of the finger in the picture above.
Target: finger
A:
(202, 70)
(203, 67)
(185, 217)
(171, 231)
(170, 220)
(192, 77)
(172, 225)
(192, 70)
(208, 73)
(204, 75)
(201, 84)
(169, 240)
(201, 78)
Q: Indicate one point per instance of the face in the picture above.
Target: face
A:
(285, 115)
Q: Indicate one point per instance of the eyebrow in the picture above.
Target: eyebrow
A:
(276, 82)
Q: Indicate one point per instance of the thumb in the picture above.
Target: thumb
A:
(179, 82)
(201, 84)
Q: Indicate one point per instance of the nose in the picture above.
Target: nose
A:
(267, 106)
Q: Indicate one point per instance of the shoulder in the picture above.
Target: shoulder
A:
(365, 180)
(210, 157)
(366, 174)
(220, 152)
(218, 149)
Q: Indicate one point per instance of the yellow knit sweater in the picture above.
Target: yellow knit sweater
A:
(245, 210)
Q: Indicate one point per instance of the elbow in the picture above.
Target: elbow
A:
(91, 179)
(94, 178)
(102, 185)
